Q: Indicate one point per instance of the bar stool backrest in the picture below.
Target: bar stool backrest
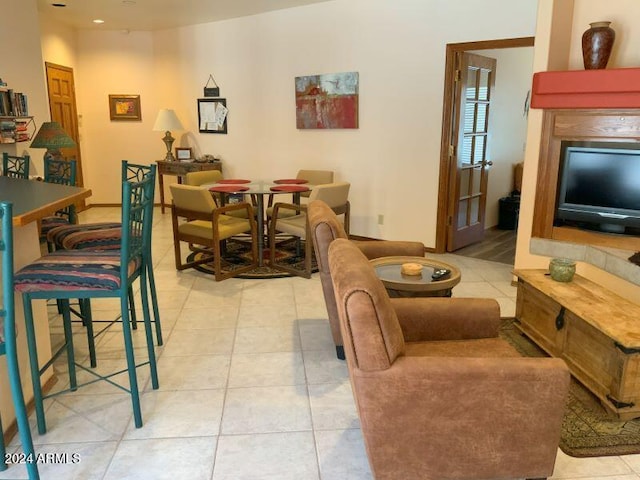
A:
(14, 166)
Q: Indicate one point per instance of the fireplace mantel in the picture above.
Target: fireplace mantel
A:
(608, 88)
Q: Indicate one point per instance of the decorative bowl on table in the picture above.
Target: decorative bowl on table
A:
(562, 269)
(411, 268)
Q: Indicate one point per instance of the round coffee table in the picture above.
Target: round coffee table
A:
(400, 285)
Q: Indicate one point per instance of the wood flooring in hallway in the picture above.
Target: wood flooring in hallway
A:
(497, 246)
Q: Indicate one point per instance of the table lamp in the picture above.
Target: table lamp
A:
(166, 121)
(52, 137)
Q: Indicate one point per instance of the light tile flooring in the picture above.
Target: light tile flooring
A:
(249, 386)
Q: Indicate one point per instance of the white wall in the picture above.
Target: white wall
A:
(508, 123)
(398, 48)
(22, 68)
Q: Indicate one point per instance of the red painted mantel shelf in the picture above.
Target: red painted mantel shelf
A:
(612, 88)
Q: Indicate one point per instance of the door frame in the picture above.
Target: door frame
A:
(446, 163)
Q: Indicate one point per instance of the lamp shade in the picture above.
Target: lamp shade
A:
(167, 120)
(52, 136)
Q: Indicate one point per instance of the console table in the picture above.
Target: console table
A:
(180, 169)
(594, 330)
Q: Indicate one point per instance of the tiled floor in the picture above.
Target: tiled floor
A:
(249, 387)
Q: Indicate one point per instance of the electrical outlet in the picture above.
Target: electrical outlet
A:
(380, 219)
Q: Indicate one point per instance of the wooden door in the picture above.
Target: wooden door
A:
(470, 131)
(62, 106)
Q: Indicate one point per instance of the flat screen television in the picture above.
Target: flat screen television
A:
(599, 186)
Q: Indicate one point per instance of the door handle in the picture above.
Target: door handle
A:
(487, 163)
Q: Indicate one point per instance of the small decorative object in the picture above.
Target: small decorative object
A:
(166, 121)
(327, 101)
(184, 154)
(124, 107)
(212, 115)
(411, 268)
(562, 269)
(597, 43)
(211, 91)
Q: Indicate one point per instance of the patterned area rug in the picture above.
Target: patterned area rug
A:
(588, 430)
(239, 254)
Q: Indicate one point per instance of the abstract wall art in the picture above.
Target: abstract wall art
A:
(327, 101)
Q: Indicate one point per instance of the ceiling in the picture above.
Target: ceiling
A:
(156, 14)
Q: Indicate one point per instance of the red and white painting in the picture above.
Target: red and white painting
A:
(327, 101)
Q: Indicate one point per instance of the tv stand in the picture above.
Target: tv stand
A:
(594, 330)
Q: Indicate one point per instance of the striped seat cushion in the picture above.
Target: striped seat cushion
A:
(49, 223)
(99, 236)
(73, 270)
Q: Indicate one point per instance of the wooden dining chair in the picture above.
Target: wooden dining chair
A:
(335, 195)
(15, 166)
(196, 220)
(82, 274)
(8, 346)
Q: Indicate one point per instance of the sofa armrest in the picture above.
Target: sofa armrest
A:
(438, 318)
(435, 417)
(389, 248)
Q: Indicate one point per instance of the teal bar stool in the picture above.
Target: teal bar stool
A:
(62, 172)
(14, 166)
(83, 274)
(107, 236)
(8, 344)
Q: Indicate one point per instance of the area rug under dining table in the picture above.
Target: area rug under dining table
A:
(238, 253)
(588, 430)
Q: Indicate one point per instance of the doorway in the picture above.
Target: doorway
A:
(461, 202)
(62, 108)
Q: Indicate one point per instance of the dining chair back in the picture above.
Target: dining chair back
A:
(315, 177)
(202, 177)
(15, 166)
(198, 221)
(83, 274)
(61, 172)
(8, 346)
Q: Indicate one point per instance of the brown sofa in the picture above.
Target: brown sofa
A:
(325, 227)
(438, 394)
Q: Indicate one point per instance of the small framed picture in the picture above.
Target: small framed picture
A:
(124, 107)
(184, 154)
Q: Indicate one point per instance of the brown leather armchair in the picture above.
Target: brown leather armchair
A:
(438, 394)
(325, 227)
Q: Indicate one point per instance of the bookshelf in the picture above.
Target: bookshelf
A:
(15, 123)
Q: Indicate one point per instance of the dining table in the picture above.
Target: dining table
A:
(32, 200)
(258, 189)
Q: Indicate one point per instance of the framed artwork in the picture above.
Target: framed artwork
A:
(184, 154)
(327, 101)
(124, 107)
(212, 115)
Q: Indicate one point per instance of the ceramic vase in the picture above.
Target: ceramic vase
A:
(562, 269)
(597, 43)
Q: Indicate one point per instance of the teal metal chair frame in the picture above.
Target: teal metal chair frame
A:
(137, 208)
(14, 166)
(62, 172)
(8, 348)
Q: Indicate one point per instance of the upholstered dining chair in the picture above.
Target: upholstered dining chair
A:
(325, 227)
(197, 220)
(438, 393)
(313, 178)
(62, 172)
(335, 195)
(108, 236)
(15, 166)
(203, 177)
(8, 346)
(83, 274)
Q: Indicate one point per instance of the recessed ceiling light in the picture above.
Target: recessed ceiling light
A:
(59, 4)
(128, 2)
(97, 20)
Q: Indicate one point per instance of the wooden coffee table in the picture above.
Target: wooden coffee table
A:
(399, 285)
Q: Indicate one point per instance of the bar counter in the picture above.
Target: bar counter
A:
(32, 200)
